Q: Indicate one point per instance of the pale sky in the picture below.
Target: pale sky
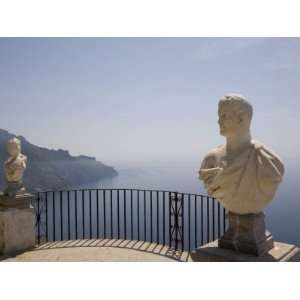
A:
(147, 99)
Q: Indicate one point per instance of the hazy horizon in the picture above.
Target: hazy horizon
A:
(145, 100)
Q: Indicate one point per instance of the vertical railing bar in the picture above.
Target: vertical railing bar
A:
(176, 221)
(170, 217)
(111, 215)
(69, 222)
(151, 216)
(182, 222)
(46, 200)
(104, 213)
(202, 222)
(76, 215)
(189, 221)
(145, 220)
(131, 215)
(53, 215)
(39, 218)
(83, 213)
(164, 218)
(125, 212)
(157, 216)
(97, 210)
(196, 221)
(213, 218)
(61, 216)
(224, 220)
(219, 224)
(118, 212)
(90, 213)
(138, 214)
(207, 219)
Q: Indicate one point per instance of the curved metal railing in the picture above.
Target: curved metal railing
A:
(180, 220)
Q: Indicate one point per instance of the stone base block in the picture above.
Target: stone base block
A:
(18, 201)
(212, 253)
(250, 247)
(17, 229)
(247, 234)
(14, 188)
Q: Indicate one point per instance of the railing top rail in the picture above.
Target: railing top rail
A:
(123, 189)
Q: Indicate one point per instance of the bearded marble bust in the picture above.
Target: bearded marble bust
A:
(243, 174)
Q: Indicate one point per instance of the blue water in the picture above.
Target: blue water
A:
(282, 215)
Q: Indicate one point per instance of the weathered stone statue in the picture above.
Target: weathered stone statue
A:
(14, 168)
(243, 176)
(17, 217)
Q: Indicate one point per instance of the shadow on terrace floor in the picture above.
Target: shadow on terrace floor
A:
(103, 250)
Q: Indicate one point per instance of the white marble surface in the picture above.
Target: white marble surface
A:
(15, 165)
(242, 174)
(14, 168)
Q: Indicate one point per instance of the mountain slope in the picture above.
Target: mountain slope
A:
(54, 169)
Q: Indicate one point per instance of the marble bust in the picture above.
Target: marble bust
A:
(243, 174)
(17, 215)
(14, 168)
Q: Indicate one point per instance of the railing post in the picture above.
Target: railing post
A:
(39, 202)
(176, 220)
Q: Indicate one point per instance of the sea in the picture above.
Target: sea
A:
(282, 214)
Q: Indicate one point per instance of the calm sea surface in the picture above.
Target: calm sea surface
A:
(282, 215)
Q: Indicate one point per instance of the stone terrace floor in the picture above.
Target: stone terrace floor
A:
(100, 250)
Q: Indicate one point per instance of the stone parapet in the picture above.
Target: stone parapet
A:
(17, 224)
(212, 253)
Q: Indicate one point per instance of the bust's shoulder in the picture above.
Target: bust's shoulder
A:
(212, 158)
(262, 147)
(257, 145)
(216, 152)
(269, 156)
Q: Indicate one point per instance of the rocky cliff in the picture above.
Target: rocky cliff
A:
(54, 169)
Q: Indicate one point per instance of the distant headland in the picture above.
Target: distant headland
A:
(54, 169)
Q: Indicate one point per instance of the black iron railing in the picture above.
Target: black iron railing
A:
(180, 220)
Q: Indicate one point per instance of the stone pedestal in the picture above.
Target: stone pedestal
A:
(212, 253)
(17, 224)
(247, 234)
(14, 188)
(17, 201)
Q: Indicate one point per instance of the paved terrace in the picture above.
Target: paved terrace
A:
(100, 250)
(107, 250)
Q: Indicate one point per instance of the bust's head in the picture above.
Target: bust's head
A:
(235, 114)
(14, 147)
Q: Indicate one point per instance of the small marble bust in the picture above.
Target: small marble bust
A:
(242, 174)
(14, 168)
